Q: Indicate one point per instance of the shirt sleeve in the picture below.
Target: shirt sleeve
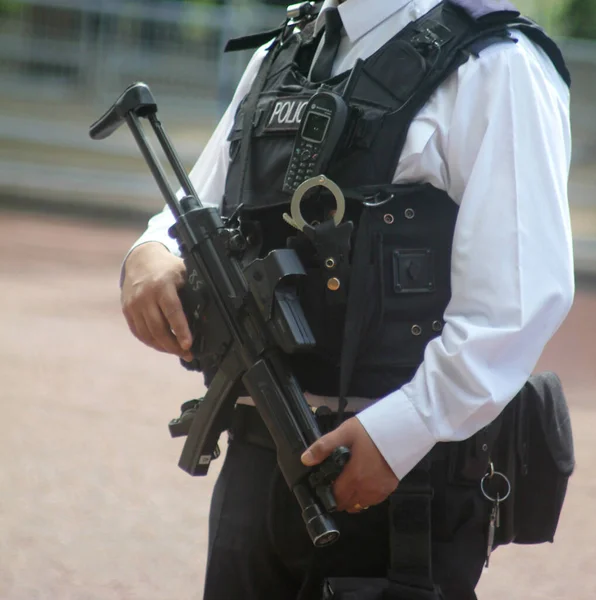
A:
(209, 173)
(506, 162)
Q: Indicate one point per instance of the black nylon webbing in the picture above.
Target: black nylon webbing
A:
(539, 37)
(252, 42)
(250, 109)
(410, 568)
(354, 323)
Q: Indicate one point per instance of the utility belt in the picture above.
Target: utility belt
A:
(247, 426)
(520, 464)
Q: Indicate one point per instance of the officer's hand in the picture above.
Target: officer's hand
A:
(367, 479)
(150, 302)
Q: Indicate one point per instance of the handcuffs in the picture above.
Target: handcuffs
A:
(295, 218)
(331, 240)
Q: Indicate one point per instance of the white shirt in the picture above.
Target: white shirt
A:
(496, 137)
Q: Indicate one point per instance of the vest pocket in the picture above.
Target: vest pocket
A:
(402, 253)
(411, 337)
(413, 271)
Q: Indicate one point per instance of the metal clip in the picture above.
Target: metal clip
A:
(296, 12)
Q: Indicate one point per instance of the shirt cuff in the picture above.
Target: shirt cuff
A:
(398, 431)
(172, 247)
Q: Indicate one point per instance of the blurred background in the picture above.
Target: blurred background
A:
(63, 62)
(92, 505)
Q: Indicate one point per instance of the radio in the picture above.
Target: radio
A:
(321, 128)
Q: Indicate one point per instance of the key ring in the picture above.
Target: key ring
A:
(491, 475)
(296, 219)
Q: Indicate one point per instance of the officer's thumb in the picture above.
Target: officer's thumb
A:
(320, 450)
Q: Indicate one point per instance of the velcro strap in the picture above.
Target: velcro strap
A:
(410, 534)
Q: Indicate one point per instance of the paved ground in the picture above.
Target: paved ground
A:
(93, 506)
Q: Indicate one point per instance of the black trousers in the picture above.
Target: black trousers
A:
(259, 549)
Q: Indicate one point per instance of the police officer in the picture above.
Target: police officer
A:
(470, 191)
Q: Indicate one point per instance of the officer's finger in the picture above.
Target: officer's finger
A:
(346, 498)
(160, 331)
(141, 331)
(345, 490)
(320, 450)
(171, 307)
(131, 324)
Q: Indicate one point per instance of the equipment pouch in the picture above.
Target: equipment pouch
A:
(534, 450)
(346, 588)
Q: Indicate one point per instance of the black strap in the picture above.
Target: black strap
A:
(510, 17)
(250, 109)
(256, 40)
(539, 37)
(250, 42)
(323, 65)
(410, 570)
(354, 322)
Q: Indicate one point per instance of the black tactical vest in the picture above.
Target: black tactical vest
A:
(400, 257)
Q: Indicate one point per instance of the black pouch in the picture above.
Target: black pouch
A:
(409, 574)
(534, 450)
(375, 589)
(354, 589)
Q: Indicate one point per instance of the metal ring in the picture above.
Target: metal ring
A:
(380, 203)
(322, 181)
(489, 476)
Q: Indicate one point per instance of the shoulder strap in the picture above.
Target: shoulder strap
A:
(540, 37)
(250, 109)
(490, 13)
(298, 16)
(481, 9)
(252, 42)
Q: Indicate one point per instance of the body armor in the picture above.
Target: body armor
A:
(370, 337)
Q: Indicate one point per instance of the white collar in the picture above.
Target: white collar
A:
(361, 16)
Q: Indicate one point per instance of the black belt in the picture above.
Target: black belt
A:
(248, 426)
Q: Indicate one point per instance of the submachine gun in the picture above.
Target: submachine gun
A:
(254, 317)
